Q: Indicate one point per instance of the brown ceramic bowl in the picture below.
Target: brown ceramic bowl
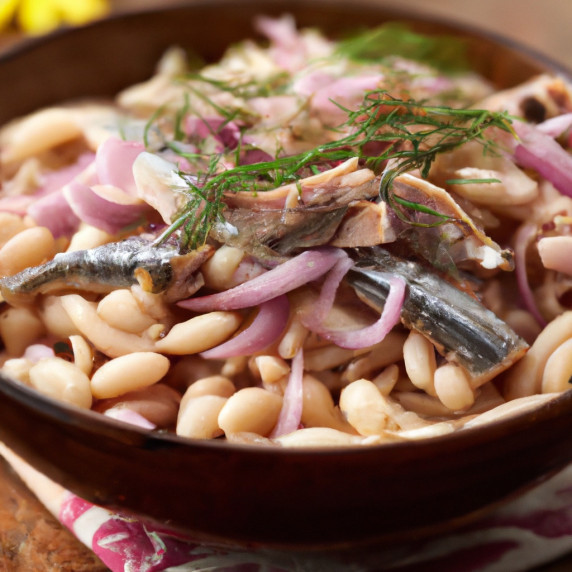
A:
(244, 494)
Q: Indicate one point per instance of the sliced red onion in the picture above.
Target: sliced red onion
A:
(347, 92)
(330, 286)
(55, 180)
(129, 416)
(54, 212)
(522, 239)
(291, 413)
(542, 153)
(46, 213)
(227, 133)
(264, 330)
(36, 352)
(17, 204)
(107, 215)
(292, 274)
(251, 156)
(114, 163)
(308, 84)
(288, 48)
(555, 126)
(364, 337)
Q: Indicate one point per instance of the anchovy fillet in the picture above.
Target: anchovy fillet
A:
(108, 267)
(461, 328)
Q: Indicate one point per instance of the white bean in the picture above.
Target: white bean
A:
(10, 225)
(31, 247)
(271, 369)
(213, 385)
(110, 341)
(319, 409)
(427, 431)
(88, 237)
(557, 376)
(511, 408)
(385, 380)
(18, 368)
(422, 404)
(188, 369)
(39, 132)
(219, 268)
(389, 351)
(555, 251)
(364, 407)
(198, 419)
(293, 338)
(157, 403)
(153, 305)
(453, 387)
(327, 357)
(61, 380)
(199, 333)
(82, 354)
(56, 319)
(525, 377)
(121, 310)
(128, 373)
(420, 362)
(19, 327)
(234, 366)
(250, 410)
(324, 437)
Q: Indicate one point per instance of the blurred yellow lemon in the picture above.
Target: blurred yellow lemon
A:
(41, 16)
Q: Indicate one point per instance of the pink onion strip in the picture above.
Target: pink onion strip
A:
(296, 272)
(54, 212)
(542, 153)
(129, 416)
(114, 163)
(364, 337)
(291, 413)
(37, 352)
(523, 237)
(17, 204)
(330, 286)
(555, 126)
(93, 209)
(265, 329)
(56, 180)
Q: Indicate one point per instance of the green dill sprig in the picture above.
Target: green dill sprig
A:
(471, 181)
(246, 89)
(444, 52)
(389, 135)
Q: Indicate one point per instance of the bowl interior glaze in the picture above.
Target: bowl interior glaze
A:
(242, 494)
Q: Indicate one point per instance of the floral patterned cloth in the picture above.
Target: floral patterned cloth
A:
(530, 531)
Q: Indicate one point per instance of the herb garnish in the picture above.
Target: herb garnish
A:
(413, 135)
(388, 134)
(446, 53)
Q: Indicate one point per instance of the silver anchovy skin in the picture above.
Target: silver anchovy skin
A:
(108, 267)
(271, 233)
(461, 328)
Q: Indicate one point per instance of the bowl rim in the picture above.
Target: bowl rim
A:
(120, 431)
(31, 398)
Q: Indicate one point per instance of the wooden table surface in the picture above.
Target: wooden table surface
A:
(31, 539)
